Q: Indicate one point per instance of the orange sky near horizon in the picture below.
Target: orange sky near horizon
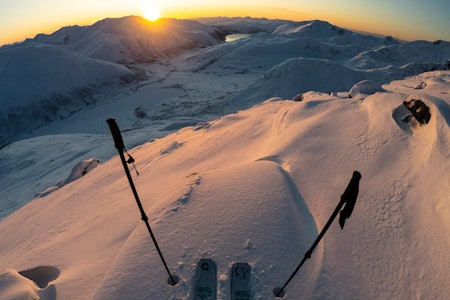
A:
(22, 19)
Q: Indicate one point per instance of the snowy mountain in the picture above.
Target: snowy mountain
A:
(40, 83)
(255, 186)
(62, 72)
(133, 39)
(286, 59)
(52, 76)
(244, 149)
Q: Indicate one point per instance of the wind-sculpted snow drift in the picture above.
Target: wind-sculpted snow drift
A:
(257, 186)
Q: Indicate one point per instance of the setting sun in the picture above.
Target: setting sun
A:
(151, 13)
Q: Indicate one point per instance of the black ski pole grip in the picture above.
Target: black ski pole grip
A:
(117, 136)
(349, 198)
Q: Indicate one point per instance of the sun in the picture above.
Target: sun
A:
(152, 13)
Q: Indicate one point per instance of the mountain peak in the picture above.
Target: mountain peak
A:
(316, 28)
(132, 38)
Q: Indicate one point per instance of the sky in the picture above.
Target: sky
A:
(404, 19)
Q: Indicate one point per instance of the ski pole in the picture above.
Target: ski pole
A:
(118, 141)
(348, 198)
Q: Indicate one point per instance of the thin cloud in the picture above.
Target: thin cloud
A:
(286, 10)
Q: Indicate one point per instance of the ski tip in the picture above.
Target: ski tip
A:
(241, 281)
(206, 263)
(241, 270)
(205, 280)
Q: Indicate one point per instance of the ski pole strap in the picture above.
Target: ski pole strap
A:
(115, 131)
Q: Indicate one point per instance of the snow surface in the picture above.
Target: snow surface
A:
(255, 185)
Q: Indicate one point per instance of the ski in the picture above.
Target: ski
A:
(205, 281)
(240, 281)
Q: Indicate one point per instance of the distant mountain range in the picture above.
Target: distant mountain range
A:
(52, 76)
(133, 39)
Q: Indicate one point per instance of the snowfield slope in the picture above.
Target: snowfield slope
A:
(255, 186)
(40, 83)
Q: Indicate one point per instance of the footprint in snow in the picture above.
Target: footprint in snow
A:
(184, 199)
(171, 147)
(41, 275)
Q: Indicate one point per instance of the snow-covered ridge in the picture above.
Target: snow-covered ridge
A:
(317, 29)
(133, 39)
(256, 186)
(319, 56)
(40, 83)
(52, 76)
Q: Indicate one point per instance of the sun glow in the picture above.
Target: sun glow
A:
(151, 12)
